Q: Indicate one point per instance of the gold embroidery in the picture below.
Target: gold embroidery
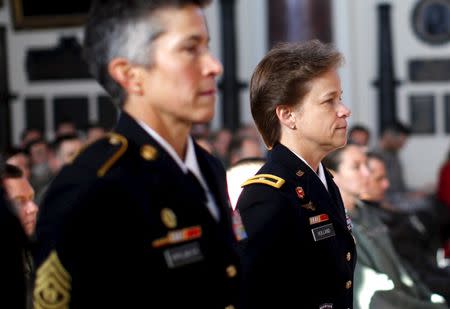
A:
(114, 139)
(266, 179)
(53, 284)
(168, 218)
(148, 152)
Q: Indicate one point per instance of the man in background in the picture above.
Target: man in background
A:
(20, 196)
(392, 140)
(13, 242)
(360, 135)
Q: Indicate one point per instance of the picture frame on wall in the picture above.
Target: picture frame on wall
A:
(32, 14)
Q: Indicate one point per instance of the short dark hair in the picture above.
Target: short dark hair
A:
(33, 142)
(375, 156)
(12, 151)
(359, 127)
(30, 129)
(58, 141)
(119, 28)
(396, 128)
(283, 77)
(333, 160)
(10, 171)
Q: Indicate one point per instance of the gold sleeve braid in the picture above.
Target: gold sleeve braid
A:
(52, 285)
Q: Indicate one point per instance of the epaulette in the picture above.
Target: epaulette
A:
(120, 145)
(117, 140)
(267, 179)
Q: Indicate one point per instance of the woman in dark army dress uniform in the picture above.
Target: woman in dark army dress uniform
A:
(141, 218)
(300, 252)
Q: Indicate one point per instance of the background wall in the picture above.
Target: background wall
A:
(355, 33)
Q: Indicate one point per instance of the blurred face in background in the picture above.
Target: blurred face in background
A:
(377, 183)
(352, 174)
(39, 153)
(21, 195)
(359, 137)
(69, 149)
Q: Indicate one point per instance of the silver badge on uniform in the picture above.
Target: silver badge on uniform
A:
(323, 232)
(183, 255)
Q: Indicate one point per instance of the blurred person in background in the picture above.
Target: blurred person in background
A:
(63, 151)
(221, 140)
(391, 141)
(242, 147)
(443, 204)
(39, 151)
(28, 135)
(94, 132)
(20, 158)
(66, 126)
(359, 135)
(13, 241)
(415, 236)
(20, 195)
(382, 279)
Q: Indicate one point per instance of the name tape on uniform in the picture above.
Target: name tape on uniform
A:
(323, 232)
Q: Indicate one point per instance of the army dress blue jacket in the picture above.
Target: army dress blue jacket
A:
(124, 227)
(300, 252)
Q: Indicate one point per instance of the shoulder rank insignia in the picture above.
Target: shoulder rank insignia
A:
(266, 179)
(53, 284)
(114, 139)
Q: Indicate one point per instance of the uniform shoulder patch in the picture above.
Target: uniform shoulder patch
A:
(52, 285)
(116, 140)
(102, 154)
(267, 179)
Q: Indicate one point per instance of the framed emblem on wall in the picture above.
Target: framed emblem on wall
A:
(32, 14)
(431, 21)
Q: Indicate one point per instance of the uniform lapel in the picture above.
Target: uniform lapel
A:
(314, 188)
(327, 198)
(214, 183)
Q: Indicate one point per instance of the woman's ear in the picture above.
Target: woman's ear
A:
(126, 75)
(286, 116)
